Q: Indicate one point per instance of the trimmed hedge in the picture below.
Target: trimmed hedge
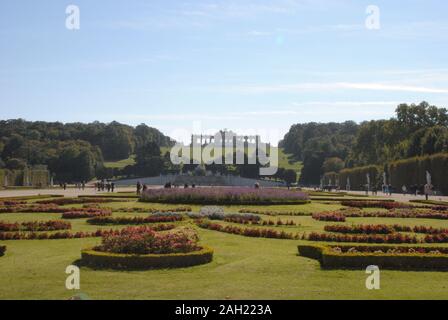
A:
(431, 202)
(358, 177)
(331, 259)
(413, 171)
(33, 177)
(97, 259)
(2, 250)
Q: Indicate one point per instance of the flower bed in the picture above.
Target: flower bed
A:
(35, 226)
(225, 196)
(247, 232)
(242, 220)
(433, 202)
(69, 235)
(429, 230)
(153, 210)
(436, 238)
(87, 213)
(97, 259)
(385, 257)
(133, 220)
(2, 250)
(48, 208)
(329, 216)
(367, 238)
(11, 202)
(67, 201)
(274, 213)
(142, 248)
(367, 229)
(396, 213)
(375, 204)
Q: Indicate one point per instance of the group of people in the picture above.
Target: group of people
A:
(415, 189)
(78, 185)
(103, 185)
(141, 187)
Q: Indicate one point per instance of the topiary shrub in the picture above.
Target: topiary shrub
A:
(385, 257)
(143, 248)
(98, 259)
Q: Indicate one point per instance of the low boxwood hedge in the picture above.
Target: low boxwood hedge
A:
(330, 259)
(2, 250)
(431, 202)
(98, 259)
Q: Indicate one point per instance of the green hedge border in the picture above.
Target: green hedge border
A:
(330, 259)
(430, 202)
(2, 250)
(97, 259)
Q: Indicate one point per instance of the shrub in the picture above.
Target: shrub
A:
(385, 257)
(329, 216)
(247, 232)
(429, 230)
(140, 262)
(69, 235)
(250, 220)
(154, 210)
(67, 201)
(35, 226)
(437, 238)
(134, 220)
(397, 213)
(224, 196)
(274, 213)
(375, 204)
(361, 229)
(87, 213)
(143, 240)
(368, 238)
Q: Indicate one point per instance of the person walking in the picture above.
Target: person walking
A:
(404, 190)
(139, 187)
(112, 187)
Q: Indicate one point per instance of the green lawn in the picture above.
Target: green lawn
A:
(243, 268)
(284, 160)
(121, 163)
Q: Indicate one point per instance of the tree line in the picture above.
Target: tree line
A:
(415, 130)
(72, 151)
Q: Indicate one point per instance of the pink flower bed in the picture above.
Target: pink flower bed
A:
(224, 195)
(144, 240)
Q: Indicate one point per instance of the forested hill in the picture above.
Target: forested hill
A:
(329, 147)
(72, 149)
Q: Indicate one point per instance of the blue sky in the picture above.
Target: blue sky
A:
(205, 64)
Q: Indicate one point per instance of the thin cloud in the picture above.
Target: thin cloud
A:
(316, 86)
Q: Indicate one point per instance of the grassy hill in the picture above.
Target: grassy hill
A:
(284, 161)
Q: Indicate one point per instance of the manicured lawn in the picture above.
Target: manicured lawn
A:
(121, 163)
(243, 268)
